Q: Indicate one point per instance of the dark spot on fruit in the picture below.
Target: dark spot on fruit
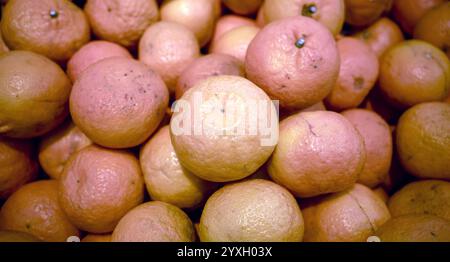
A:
(358, 82)
(283, 86)
(287, 76)
(222, 110)
(125, 74)
(434, 187)
(309, 10)
(109, 9)
(155, 96)
(215, 74)
(53, 13)
(315, 66)
(433, 234)
(28, 226)
(141, 90)
(78, 181)
(300, 43)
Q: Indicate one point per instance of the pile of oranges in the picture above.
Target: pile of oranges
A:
(232, 120)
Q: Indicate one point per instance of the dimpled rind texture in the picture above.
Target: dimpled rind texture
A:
(99, 186)
(423, 142)
(121, 21)
(35, 209)
(318, 152)
(226, 157)
(297, 77)
(33, 94)
(118, 102)
(349, 216)
(256, 211)
(154, 222)
(27, 25)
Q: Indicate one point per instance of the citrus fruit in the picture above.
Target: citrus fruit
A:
(363, 12)
(91, 53)
(17, 165)
(228, 22)
(357, 74)
(165, 178)
(330, 13)
(348, 216)
(377, 142)
(53, 28)
(33, 94)
(414, 72)
(243, 7)
(223, 144)
(294, 60)
(317, 153)
(415, 228)
(409, 12)
(168, 48)
(207, 66)
(154, 222)
(58, 146)
(35, 209)
(198, 16)
(235, 42)
(121, 21)
(99, 186)
(434, 27)
(423, 143)
(255, 210)
(381, 35)
(118, 102)
(430, 197)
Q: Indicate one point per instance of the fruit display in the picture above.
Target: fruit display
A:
(224, 121)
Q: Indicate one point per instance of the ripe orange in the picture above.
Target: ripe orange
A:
(154, 222)
(228, 22)
(99, 186)
(33, 94)
(118, 102)
(54, 28)
(58, 146)
(363, 12)
(35, 209)
(121, 21)
(255, 210)
(294, 60)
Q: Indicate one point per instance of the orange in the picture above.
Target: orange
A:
(377, 142)
(357, 74)
(121, 21)
(154, 222)
(33, 94)
(409, 12)
(99, 186)
(166, 179)
(235, 42)
(423, 141)
(243, 7)
(207, 66)
(168, 48)
(198, 16)
(16, 236)
(228, 22)
(434, 27)
(429, 197)
(414, 72)
(97, 238)
(330, 13)
(58, 146)
(255, 210)
(225, 146)
(91, 53)
(294, 60)
(118, 102)
(17, 165)
(415, 228)
(349, 216)
(381, 35)
(54, 28)
(35, 209)
(317, 153)
(363, 12)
